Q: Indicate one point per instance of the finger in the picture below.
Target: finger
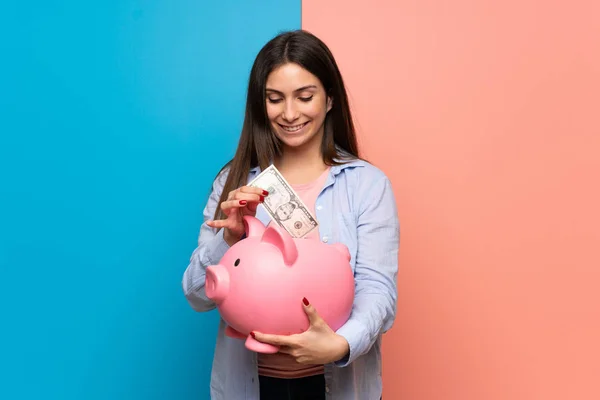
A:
(228, 205)
(250, 197)
(220, 223)
(253, 190)
(311, 312)
(303, 360)
(231, 195)
(277, 340)
(251, 207)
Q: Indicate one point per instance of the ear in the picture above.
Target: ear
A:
(329, 103)
(283, 241)
(342, 249)
(253, 226)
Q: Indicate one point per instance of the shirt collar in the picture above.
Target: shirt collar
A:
(335, 169)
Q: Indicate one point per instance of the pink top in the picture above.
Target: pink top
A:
(281, 365)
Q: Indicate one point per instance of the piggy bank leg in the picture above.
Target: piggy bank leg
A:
(259, 347)
(229, 331)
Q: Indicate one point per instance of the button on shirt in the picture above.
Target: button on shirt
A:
(357, 208)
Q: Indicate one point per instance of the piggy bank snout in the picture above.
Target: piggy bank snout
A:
(217, 283)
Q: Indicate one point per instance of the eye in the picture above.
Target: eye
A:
(236, 263)
(274, 101)
(306, 99)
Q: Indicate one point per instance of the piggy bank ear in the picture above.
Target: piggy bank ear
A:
(343, 250)
(283, 241)
(254, 228)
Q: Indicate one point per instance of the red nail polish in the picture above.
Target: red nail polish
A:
(243, 202)
(305, 301)
(262, 198)
(265, 192)
(252, 334)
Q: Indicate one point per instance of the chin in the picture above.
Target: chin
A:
(298, 139)
(294, 144)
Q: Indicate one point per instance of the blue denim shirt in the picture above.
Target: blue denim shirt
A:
(356, 207)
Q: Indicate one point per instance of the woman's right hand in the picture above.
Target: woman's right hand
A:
(240, 202)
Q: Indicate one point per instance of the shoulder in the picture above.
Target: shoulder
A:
(223, 174)
(361, 172)
(221, 178)
(365, 185)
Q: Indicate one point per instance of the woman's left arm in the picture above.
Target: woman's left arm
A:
(376, 270)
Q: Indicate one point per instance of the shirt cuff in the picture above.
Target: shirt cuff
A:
(358, 341)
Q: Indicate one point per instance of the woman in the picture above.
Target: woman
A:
(297, 118)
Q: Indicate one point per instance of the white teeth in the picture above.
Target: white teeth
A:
(293, 128)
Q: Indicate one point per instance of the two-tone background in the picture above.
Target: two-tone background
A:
(116, 115)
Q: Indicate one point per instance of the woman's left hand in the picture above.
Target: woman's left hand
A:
(319, 344)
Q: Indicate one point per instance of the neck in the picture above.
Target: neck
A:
(302, 164)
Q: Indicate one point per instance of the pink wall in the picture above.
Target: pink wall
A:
(486, 116)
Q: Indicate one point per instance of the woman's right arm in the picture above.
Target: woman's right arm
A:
(211, 248)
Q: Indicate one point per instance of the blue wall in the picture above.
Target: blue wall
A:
(115, 117)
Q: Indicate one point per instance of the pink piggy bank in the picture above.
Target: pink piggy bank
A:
(261, 280)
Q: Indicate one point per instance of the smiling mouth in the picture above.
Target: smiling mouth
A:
(293, 128)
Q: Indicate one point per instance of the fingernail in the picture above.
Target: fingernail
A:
(243, 202)
(252, 334)
(305, 301)
(265, 192)
(262, 198)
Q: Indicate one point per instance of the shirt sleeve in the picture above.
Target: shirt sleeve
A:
(376, 270)
(211, 248)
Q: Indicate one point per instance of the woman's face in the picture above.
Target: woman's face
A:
(296, 105)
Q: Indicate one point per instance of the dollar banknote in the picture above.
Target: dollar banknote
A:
(283, 204)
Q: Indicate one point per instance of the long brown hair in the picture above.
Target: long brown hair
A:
(257, 145)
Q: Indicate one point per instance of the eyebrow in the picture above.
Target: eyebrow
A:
(303, 88)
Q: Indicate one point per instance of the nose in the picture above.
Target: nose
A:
(290, 113)
(217, 283)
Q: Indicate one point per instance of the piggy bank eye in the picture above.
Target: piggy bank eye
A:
(237, 262)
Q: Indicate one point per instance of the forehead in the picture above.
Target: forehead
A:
(289, 77)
